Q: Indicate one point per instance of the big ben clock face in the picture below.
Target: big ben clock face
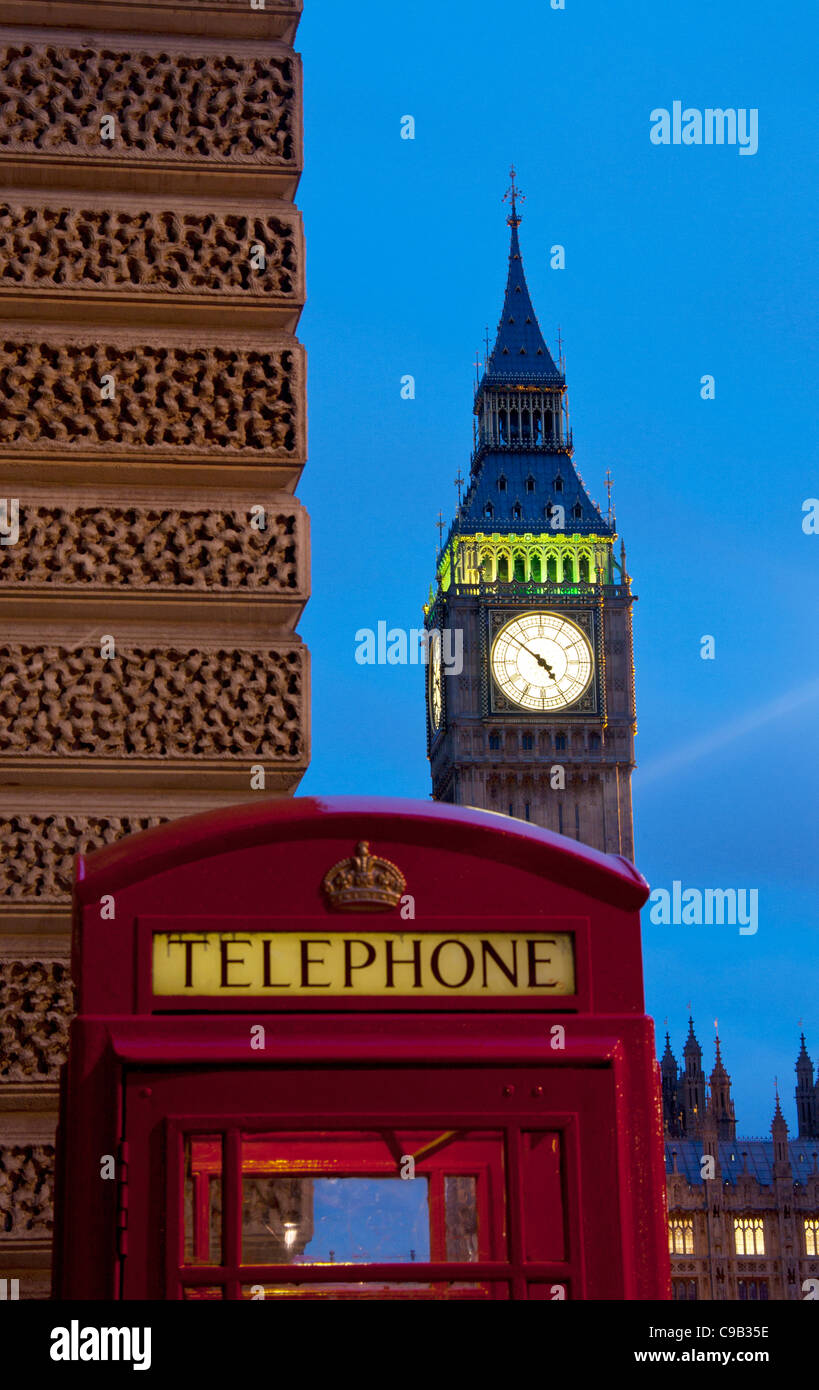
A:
(436, 682)
(542, 661)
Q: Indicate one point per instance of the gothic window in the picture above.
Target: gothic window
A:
(811, 1235)
(583, 566)
(489, 511)
(501, 483)
(577, 511)
(749, 1235)
(558, 483)
(494, 743)
(517, 511)
(680, 1235)
(520, 569)
(511, 809)
(683, 1289)
(560, 743)
(527, 742)
(753, 1289)
(548, 421)
(594, 742)
(530, 484)
(528, 817)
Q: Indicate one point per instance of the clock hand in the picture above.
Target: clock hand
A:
(541, 661)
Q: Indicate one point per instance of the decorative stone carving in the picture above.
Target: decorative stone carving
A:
(151, 703)
(167, 106)
(151, 548)
(38, 851)
(130, 249)
(36, 1002)
(210, 398)
(26, 1190)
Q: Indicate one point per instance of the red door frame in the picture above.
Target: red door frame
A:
(161, 1166)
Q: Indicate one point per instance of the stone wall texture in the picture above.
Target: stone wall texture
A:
(152, 436)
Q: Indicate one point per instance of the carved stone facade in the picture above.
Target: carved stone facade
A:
(153, 548)
(154, 560)
(96, 248)
(151, 703)
(38, 857)
(70, 397)
(26, 1190)
(207, 106)
(35, 1010)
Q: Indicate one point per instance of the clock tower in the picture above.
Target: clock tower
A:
(530, 677)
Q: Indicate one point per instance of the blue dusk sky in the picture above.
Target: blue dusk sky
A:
(681, 261)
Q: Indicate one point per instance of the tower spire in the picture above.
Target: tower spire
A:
(520, 354)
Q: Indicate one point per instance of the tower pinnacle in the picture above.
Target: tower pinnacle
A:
(512, 196)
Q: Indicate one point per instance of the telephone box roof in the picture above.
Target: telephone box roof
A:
(610, 878)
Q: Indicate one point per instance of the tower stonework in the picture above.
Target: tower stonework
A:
(154, 560)
(531, 586)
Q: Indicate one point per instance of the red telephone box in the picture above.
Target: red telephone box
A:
(359, 1049)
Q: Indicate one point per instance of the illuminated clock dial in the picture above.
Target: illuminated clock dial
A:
(436, 685)
(542, 661)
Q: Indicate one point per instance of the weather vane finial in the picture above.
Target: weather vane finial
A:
(513, 196)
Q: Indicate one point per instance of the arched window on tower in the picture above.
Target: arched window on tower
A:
(558, 484)
(548, 423)
(501, 483)
(530, 484)
(520, 570)
(489, 511)
(503, 426)
(577, 511)
(517, 512)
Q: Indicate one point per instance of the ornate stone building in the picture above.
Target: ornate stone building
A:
(154, 559)
(540, 722)
(743, 1214)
